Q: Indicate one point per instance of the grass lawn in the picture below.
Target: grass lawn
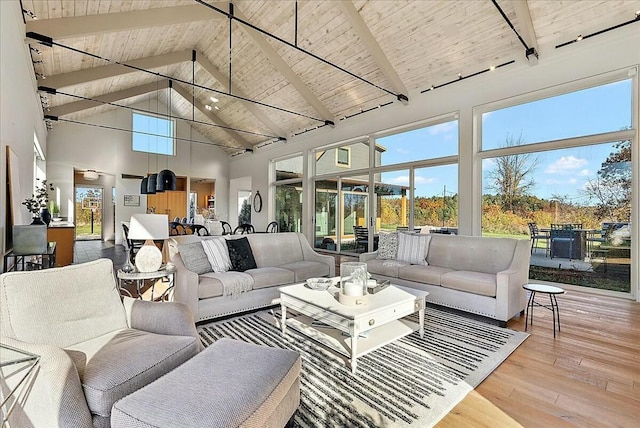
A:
(85, 229)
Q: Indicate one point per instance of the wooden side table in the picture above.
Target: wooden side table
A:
(140, 277)
(553, 307)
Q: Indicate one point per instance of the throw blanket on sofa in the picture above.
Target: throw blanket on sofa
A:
(235, 283)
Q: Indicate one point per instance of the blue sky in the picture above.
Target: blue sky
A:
(559, 173)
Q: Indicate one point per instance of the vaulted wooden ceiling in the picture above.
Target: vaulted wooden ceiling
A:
(398, 47)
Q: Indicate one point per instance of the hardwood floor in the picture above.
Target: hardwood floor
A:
(589, 376)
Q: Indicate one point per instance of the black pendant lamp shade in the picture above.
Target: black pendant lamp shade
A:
(166, 181)
(151, 184)
(144, 186)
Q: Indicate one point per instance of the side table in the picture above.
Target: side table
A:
(43, 260)
(553, 307)
(140, 277)
(16, 368)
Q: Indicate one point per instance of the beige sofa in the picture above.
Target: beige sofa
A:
(281, 259)
(479, 275)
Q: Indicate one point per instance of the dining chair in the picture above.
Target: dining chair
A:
(134, 245)
(176, 228)
(272, 227)
(537, 235)
(244, 229)
(226, 228)
(198, 229)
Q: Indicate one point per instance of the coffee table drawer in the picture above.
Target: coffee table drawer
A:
(375, 319)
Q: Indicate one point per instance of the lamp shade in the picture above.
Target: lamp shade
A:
(166, 181)
(151, 184)
(149, 227)
(144, 184)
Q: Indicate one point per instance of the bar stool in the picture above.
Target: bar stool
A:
(553, 307)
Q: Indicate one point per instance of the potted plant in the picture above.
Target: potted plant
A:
(37, 203)
(55, 209)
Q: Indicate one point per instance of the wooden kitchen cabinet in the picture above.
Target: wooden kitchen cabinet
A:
(173, 203)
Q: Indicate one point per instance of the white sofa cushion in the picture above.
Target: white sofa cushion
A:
(275, 249)
(471, 253)
(305, 269)
(270, 276)
(425, 274)
(385, 267)
(218, 254)
(412, 248)
(472, 282)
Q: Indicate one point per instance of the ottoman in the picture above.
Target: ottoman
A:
(229, 384)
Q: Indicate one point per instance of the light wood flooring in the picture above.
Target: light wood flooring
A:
(588, 376)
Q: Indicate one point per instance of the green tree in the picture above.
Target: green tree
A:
(512, 176)
(611, 189)
(245, 212)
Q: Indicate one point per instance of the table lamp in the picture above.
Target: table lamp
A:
(149, 227)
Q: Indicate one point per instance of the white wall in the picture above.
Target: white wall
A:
(619, 49)
(20, 110)
(107, 150)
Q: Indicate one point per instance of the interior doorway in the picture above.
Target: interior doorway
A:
(88, 213)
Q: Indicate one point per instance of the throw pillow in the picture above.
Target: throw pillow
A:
(194, 257)
(412, 248)
(241, 255)
(387, 246)
(217, 253)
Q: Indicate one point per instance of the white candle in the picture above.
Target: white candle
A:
(352, 288)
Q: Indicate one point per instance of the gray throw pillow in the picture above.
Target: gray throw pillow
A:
(194, 257)
(388, 246)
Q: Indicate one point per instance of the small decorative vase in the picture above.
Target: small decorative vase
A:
(45, 214)
(36, 220)
(128, 267)
(353, 279)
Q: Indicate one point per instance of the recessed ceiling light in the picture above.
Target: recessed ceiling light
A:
(579, 37)
(216, 107)
(214, 99)
(493, 67)
(208, 107)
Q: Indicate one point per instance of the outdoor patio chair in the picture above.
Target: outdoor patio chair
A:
(536, 236)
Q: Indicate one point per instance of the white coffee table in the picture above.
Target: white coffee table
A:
(381, 319)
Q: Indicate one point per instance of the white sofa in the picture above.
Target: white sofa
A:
(479, 275)
(281, 259)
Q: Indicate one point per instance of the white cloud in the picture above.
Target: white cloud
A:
(442, 128)
(566, 165)
(403, 180)
(584, 173)
(403, 151)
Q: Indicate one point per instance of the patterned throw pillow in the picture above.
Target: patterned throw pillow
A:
(412, 248)
(194, 257)
(241, 255)
(387, 246)
(217, 253)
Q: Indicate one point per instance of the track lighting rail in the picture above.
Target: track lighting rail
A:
(48, 41)
(232, 16)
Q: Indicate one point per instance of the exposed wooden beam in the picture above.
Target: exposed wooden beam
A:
(59, 81)
(525, 24)
(251, 107)
(184, 93)
(284, 69)
(374, 49)
(80, 26)
(113, 97)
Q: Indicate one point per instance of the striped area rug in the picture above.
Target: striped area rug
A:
(412, 382)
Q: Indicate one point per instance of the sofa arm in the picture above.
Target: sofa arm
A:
(55, 397)
(368, 256)
(169, 318)
(309, 254)
(510, 296)
(186, 286)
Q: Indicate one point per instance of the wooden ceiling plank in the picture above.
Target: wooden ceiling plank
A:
(374, 49)
(77, 106)
(184, 93)
(285, 70)
(525, 23)
(221, 78)
(113, 70)
(78, 26)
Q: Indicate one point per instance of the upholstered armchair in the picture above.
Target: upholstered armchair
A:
(94, 348)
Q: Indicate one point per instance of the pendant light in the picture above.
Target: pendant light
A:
(166, 179)
(144, 186)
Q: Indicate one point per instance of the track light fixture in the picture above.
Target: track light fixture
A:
(581, 37)
(35, 50)
(460, 77)
(40, 76)
(29, 13)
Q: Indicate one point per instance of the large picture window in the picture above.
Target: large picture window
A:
(288, 193)
(571, 197)
(153, 134)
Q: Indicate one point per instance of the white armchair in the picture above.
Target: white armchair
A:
(94, 349)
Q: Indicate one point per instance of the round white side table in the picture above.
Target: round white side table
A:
(140, 277)
(552, 291)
